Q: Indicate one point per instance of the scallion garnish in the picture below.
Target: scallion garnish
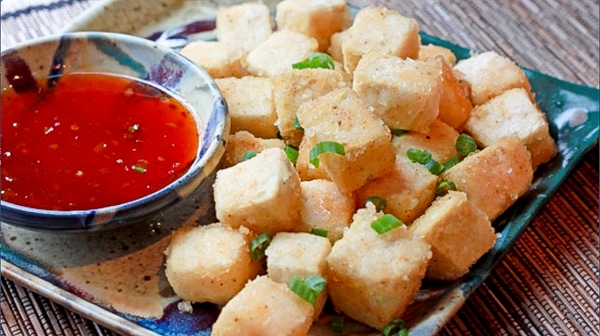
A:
(248, 155)
(424, 157)
(453, 161)
(337, 325)
(325, 147)
(379, 202)
(139, 168)
(309, 288)
(259, 245)
(316, 60)
(319, 232)
(398, 132)
(396, 327)
(443, 188)
(292, 153)
(297, 125)
(386, 223)
(465, 144)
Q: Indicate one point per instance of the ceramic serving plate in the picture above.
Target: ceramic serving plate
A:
(116, 278)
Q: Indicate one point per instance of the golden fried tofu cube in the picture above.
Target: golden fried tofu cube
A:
(242, 142)
(438, 138)
(251, 105)
(279, 52)
(374, 277)
(244, 25)
(513, 113)
(340, 116)
(455, 102)
(191, 268)
(335, 46)
(408, 190)
(262, 193)
(458, 232)
(433, 51)
(217, 58)
(325, 207)
(301, 255)
(490, 74)
(264, 307)
(382, 30)
(315, 18)
(495, 177)
(296, 86)
(405, 94)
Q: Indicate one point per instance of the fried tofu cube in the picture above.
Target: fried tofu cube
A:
(300, 255)
(405, 94)
(374, 277)
(279, 52)
(242, 142)
(458, 232)
(433, 51)
(264, 307)
(244, 25)
(296, 86)
(438, 138)
(490, 74)
(382, 30)
(340, 116)
(262, 193)
(315, 18)
(191, 268)
(326, 207)
(251, 104)
(408, 190)
(495, 177)
(513, 113)
(455, 102)
(217, 58)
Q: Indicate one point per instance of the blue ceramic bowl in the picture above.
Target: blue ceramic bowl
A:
(138, 58)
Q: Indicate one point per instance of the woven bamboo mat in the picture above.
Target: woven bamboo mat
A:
(548, 283)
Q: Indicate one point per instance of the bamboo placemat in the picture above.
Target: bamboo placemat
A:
(548, 283)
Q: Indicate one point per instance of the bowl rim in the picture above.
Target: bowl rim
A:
(200, 165)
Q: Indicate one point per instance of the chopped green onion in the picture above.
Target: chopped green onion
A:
(316, 60)
(396, 327)
(424, 157)
(319, 232)
(259, 245)
(443, 188)
(434, 167)
(465, 144)
(451, 162)
(292, 153)
(309, 288)
(379, 202)
(325, 147)
(386, 223)
(398, 132)
(139, 168)
(297, 125)
(248, 155)
(337, 325)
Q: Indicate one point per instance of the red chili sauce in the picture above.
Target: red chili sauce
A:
(93, 140)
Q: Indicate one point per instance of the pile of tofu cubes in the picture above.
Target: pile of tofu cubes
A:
(384, 80)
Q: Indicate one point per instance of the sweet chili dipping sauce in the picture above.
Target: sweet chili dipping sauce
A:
(93, 140)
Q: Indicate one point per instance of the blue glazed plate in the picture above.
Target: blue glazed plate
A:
(117, 276)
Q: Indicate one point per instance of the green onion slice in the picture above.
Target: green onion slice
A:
(316, 60)
(248, 155)
(319, 232)
(424, 157)
(259, 245)
(379, 203)
(297, 125)
(292, 153)
(309, 288)
(325, 147)
(398, 132)
(443, 188)
(451, 162)
(138, 168)
(386, 223)
(337, 325)
(396, 327)
(465, 144)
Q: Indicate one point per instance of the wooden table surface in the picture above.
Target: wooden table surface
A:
(548, 283)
